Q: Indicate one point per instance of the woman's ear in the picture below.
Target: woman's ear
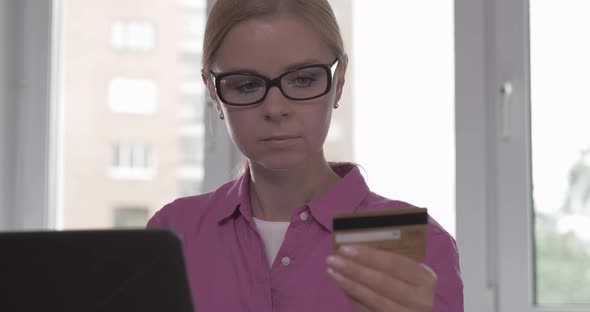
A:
(209, 85)
(341, 79)
(211, 89)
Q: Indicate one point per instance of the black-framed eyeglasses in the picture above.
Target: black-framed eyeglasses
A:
(299, 84)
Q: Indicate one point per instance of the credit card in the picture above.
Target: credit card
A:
(402, 231)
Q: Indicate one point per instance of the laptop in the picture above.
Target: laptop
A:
(94, 270)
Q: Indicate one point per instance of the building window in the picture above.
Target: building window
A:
(133, 35)
(132, 161)
(130, 217)
(133, 96)
(191, 151)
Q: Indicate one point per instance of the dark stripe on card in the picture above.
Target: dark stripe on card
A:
(364, 222)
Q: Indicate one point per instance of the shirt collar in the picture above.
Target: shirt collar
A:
(346, 196)
(237, 197)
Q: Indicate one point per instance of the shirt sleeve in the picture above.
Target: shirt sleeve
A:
(154, 222)
(449, 288)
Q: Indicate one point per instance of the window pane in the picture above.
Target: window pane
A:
(403, 81)
(560, 112)
(121, 123)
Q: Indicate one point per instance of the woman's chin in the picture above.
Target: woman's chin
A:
(282, 163)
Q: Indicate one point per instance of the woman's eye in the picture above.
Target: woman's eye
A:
(248, 86)
(302, 81)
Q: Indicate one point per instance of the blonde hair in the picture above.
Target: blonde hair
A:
(226, 14)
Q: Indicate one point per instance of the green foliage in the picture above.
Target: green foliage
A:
(563, 260)
(562, 269)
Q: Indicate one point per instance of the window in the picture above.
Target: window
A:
(87, 134)
(133, 96)
(402, 124)
(132, 35)
(130, 217)
(132, 161)
(523, 195)
(560, 143)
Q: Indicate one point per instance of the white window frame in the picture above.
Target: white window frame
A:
(474, 166)
(515, 241)
(26, 42)
(513, 226)
(7, 95)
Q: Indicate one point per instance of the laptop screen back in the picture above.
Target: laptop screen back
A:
(102, 270)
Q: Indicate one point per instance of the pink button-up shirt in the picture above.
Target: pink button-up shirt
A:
(228, 269)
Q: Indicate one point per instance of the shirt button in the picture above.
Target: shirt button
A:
(286, 261)
(304, 216)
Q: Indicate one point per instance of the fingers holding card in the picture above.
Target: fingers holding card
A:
(377, 259)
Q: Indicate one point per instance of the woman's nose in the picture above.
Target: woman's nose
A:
(275, 106)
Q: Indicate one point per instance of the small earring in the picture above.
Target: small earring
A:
(335, 105)
(221, 116)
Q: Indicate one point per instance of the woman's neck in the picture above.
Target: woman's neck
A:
(274, 195)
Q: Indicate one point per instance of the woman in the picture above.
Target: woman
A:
(275, 70)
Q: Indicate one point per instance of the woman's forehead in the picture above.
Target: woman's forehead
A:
(271, 45)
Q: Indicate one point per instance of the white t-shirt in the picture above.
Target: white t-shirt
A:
(272, 233)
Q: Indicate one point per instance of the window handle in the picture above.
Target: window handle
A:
(506, 92)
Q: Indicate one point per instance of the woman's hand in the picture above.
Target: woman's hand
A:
(378, 281)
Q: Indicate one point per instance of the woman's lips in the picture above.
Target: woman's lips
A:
(281, 141)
